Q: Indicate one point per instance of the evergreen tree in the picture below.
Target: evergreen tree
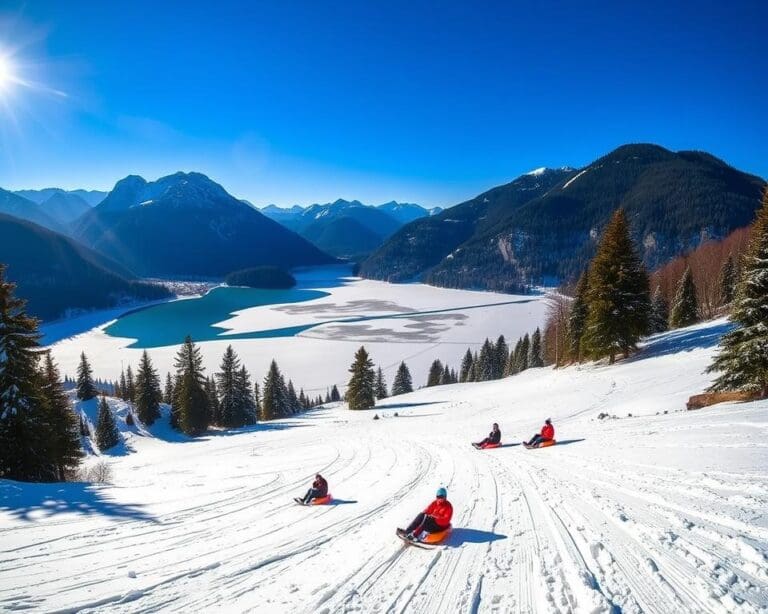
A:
(327, 397)
(130, 390)
(273, 401)
(466, 366)
(535, 358)
(123, 387)
(743, 358)
(247, 400)
(403, 383)
(117, 392)
(86, 390)
(685, 309)
(232, 414)
(256, 398)
(64, 445)
(303, 400)
(435, 373)
(501, 351)
(727, 281)
(445, 376)
(618, 296)
(512, 367)
(168, 392)
(214, 405)
(190, 402)
(454, 377)
(525, 350)
(107, 435)
(147, 393)
(335, 395)
(293, 399)
(659, 318)
(381, 385)
(577, 319)
(361, 389)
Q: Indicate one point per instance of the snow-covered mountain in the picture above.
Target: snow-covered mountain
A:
(647, 509)
(187, 224)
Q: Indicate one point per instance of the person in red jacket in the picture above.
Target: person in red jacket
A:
(547, 433)
(436, 518)
(318, 491)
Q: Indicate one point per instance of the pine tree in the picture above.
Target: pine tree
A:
(86, 390)
(214, 405)
(190, 403)
(618, 296)
(577, 319)
(123, 387)
(727, 281)
(168, 392)
(466, 366)
(118, 394)
(685, 309)
(65, 449)
(335, 396)
(231, 414)
(535, 358)
(247, 400)
(512, 367)
(381, 385)
(445, 376)
(293, 399)
(327, 397)
(403, 383)
(147, 393)
(525, 349)
(659, 318)
(435, 373)
(454, 377)
(273, 402)
(130, 390)
(361, 389)
(107, 435)
(743, 358)
(256, 398)
(501, 350)
(303, 399)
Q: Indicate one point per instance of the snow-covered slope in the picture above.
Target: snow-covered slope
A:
(661, 511)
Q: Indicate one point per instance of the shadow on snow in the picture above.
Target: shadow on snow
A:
(461, 535)
(682, 340)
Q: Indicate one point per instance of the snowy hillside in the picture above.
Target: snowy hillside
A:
(662, 511)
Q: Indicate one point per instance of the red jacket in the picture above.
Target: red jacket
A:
(441, 510)
(548, 431)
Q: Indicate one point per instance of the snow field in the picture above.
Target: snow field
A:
(653, 513)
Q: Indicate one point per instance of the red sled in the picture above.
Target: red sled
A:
(543, 444)
(322, 500)
(486, 446)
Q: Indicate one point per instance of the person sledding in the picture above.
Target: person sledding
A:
(434, 521)
(319, 491)
(492, 441)
(545, 438)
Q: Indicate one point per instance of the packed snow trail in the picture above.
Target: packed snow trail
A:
(657, 512)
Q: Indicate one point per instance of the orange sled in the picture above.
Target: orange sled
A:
(322, 500)
(488, 446)
(435, 538)
(546, 444)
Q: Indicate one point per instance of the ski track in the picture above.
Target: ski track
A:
(590, 526)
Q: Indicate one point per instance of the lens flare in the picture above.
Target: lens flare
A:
(6, 73)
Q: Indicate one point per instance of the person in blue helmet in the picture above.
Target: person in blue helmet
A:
(435, 518)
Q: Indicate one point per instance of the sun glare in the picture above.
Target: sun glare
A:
(6, 73)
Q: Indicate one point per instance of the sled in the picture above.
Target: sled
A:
(320, 501)
(543, 444)
(486, 446)
(426, 540)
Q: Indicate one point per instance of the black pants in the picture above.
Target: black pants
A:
(422, 522)
(312, 493)
(536, 439)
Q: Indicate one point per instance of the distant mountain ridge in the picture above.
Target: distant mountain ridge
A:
(519, 234)
(56, 274)
(347, 228)
(90, 197)
(187, 224)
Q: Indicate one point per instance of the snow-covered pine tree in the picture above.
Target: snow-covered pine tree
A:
(466, 366)
(107, 435)
(435, 373)
(190, 403)
(130, 383)
(486, 362)
(535, 358)
(231, 414)
(147, 393)
(335, 394)
(361, 389)
(403, 383)
(64, 445)
(381, 385)
(272, 396)
(168, 392)
(577, 319)
(685, 308)
(86, 389)
(743, 358)
(727, 281)
(618, 297)
(659, 317)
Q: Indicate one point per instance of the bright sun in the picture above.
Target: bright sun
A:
(6, 73)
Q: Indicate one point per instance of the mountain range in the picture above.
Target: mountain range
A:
(347, 229)
(187, 225)
(545, 225)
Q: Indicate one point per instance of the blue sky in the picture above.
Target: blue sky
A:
(301, 102)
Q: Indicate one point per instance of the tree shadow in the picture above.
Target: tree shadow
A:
(404, 405)
(254, 428)
(30, 502)
(462, 535)
(681, 340)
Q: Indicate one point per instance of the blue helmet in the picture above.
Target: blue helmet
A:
(441, 493)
